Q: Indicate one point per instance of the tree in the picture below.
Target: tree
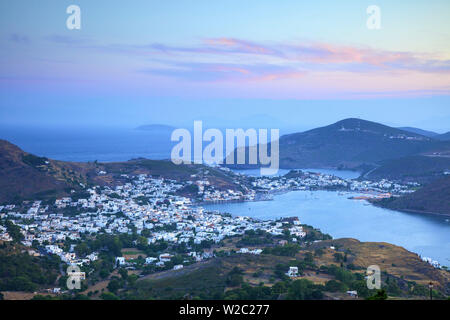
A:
(142, 243)
(14, 231)
(304, 290)
(146, 233)
(114, 285)
(109, 296)
(132, 280)
(279, 287)
(335, 286)
(123, 273)
(380, 295)
(308, 258)
(104, 273)
(338, 257)
(235, 277)
(82, 249)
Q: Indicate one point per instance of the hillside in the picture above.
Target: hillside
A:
(23, 269)
(432, 198)
(422, 132)
(258, 277)
(395, 260)
(420, 168)
(165, 169)
(26, 176)
(350, 143)
(443, 137)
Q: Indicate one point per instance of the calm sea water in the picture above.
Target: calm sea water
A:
(341, 217)
(90, 144)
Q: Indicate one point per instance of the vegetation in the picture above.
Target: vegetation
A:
(254, 238)
(288, 250)
(22, 272)
(33, 160)
(432, 198)
(13, 231)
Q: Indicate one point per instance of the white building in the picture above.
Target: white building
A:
(120, 261)
(293, 272)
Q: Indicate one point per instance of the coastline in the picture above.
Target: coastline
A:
(419, 212)
(442, 260)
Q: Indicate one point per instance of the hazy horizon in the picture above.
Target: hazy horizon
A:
(288, 116)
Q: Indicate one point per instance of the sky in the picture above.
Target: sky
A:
(290, 64)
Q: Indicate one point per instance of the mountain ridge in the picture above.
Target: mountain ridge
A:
(25, 176)
(350, 143)
(443, 137)
(425, 133)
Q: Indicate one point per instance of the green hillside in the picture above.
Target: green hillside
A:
(419, 168)
(432, 198)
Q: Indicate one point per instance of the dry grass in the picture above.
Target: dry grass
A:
(392, 259)
(19, 295)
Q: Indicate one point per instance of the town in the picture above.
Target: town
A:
(153, 209)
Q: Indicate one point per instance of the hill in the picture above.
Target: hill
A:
(443, 137)
(422, 132)
(165, 169)
(350, 143)
(432, 198)
(417, 168)
(26, 176)
(23, 269)
(240, 276)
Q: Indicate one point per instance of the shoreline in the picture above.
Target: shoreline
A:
(435, 214)
(280, 192)
(337, 192)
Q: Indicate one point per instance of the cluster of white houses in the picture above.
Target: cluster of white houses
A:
(432, 262)
(148, 203)
(302, 180)
(143, 203)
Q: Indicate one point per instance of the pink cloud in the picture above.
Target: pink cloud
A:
(240, 46)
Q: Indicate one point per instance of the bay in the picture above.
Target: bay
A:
(335, 214)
